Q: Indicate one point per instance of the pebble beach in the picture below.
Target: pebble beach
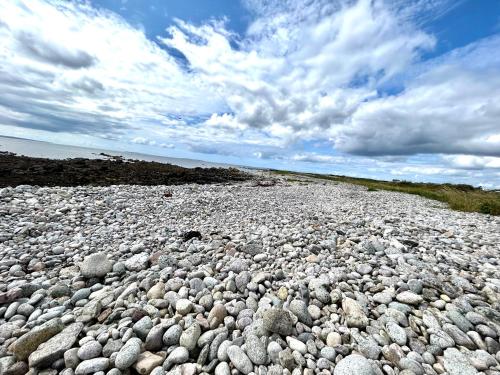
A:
(298, 277)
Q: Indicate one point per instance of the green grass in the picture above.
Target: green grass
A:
(458, 197)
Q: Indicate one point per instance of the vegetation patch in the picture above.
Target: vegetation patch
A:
(459, 197)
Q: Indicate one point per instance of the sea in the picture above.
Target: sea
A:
(40, 149)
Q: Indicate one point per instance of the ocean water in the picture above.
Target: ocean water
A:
(48, 150)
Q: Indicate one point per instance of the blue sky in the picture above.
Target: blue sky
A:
(377, 88)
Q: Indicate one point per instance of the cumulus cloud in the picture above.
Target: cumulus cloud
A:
(472, 162)
(450, 108)
(313, 157)
(321, 71)
(68, 67)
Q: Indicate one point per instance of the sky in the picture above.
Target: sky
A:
(386, 89)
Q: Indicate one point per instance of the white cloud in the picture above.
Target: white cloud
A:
(71, 68)
(313, 157)
(303, 88)
(451, 108)
(306, 72)
(472, 161)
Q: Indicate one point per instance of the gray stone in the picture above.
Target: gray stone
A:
(190, 336)
(239, 359)
(441, 339)
(91, 366)
(179, 355)
(112, 346)
(89, 350)
(457, 364)
(256, 350)
(297, 345)
(278, 321)
(299, 309)
(128, 354)
(460, 321)
(409, 298)
(328, 353)
(222, 369)
(95, 265)
(172, 335)
(253, 247)
(54, 348)
(141, 328)
(354, 314)
(29, 342)
(137, 262)
(353, 364)
(273, 350)
(396, 333)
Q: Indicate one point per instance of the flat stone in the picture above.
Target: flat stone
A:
(54, 348)
(457, 364)
(147, 361)
(29, 342)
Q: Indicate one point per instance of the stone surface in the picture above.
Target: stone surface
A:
(128, 354)
(278, 321)
(239, 359)
(333, 279)
(92, 366)
(354, 315)
(457, 364)
(29, 342)
(256, 350)
(95, 265)
(54, 348)
(353, 365)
